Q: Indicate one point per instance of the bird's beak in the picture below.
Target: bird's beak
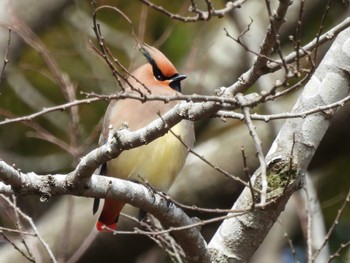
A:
(178, 78)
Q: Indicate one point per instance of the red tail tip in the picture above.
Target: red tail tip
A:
(107, 228)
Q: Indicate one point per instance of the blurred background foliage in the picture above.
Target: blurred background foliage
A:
(200, 50)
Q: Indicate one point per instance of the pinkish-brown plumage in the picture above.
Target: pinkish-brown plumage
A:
(160, 161)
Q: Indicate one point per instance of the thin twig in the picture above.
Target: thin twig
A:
(328, 36)
(290, 243)
(102, 51)
(240, 42)
(33, 226)
(42, 133)
(298, 34)
(5, 229)
(200, 15)
(331, 34)
(246, 172)
(6, 59)
(215, 210)
(260, 65)
(285, 115)
(337, 253)
(215, 167)
(272, 94)
(323, 20)
(186, 227)
(13, 244)
(274, 19)
(335, 223)
(19, 224)
(257, 143)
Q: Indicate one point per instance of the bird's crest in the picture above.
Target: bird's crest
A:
(162, 67)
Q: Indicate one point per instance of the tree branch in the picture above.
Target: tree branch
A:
(100, 186)
(238, 238)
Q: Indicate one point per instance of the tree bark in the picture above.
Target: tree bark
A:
(238, 237)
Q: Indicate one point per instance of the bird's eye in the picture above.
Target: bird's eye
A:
(158, 74)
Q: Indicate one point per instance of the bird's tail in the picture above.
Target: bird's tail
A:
(109, 215)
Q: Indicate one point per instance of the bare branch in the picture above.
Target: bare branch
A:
(337, 253)
(6, 59)
(330, 35)
(298, 34)
(200, 15)
(28, 257)
(328, 6)
(274, 32)
(196, 98)
(104, 51)
(286, 115)
(234, 247)
(257, 143)
(36, 233)
(290, 243)
(215, 167)
(98, 186)
(249, 77)
(281, 172)
(331, 229)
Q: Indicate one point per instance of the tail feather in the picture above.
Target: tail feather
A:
(109, 215)
(96, 205)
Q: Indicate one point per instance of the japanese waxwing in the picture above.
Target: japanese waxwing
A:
(160, 161)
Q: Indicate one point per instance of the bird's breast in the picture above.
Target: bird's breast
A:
(157, 163)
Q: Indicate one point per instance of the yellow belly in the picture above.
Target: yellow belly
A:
(158, 162)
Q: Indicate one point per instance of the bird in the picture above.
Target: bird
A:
(160, 161)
